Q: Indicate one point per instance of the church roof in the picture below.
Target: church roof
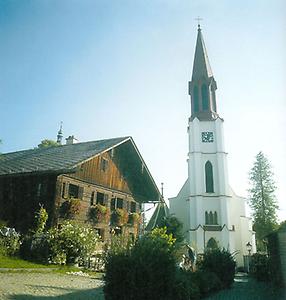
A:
(201, 66)
(159, 214)
(64, 159)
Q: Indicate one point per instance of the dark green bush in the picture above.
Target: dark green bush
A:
(221, 263)
(207, 282)
(185, 286)
(259, 267)
(146, 271)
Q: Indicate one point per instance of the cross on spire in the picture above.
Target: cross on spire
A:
(199, 19)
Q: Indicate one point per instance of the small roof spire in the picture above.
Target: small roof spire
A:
(60, 134)
(162, 189)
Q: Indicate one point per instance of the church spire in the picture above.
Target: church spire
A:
(203, 85)
(201, 67)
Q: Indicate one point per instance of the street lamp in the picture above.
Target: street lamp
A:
(248, 248)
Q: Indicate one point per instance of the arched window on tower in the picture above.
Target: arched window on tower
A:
(205, 97)
(196, 99)
(211, 218)
(207, 221)
(209, 177)
(215, 218)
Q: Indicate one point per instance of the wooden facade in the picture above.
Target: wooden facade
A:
(108, 187)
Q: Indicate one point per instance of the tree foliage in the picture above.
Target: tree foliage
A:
(262, 198)
(41, 218)
(173, 227)
(47, 143)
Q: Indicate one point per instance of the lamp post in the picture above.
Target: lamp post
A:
(248, 248)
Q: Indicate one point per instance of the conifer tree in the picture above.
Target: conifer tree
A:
(262, 199)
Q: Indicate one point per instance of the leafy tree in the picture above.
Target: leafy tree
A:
(262, 199)
(47, 143)
(174, 227)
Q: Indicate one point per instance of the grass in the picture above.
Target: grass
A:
(17, 263)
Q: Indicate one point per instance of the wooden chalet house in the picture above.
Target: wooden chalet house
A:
(102, 182)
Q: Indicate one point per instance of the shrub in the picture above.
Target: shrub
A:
(67, 244)
(221, 263)
(145, 271)
(174, 227)
(41, 218)
(9, 241)
(72, 241)
(207, 282)
(259, 267)
(185, 286)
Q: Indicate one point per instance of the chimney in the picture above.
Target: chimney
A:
(71, 140)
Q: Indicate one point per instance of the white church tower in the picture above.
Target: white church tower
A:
(211, 213)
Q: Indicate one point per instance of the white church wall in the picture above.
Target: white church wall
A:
(180, 207)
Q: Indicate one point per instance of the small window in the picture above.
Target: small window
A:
(209, 177)
(205, 97)
(113, 203)
(119, 203)
(103, 164)
(196, 99)
(64, 190)
(73, 191)
(215, 218)
(99, 198)
(116, 203)
(207, 218)
(92, 198)
(133, 207)
(211, 218)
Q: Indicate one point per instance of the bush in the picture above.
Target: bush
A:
(186, 286)
(41, 218)
(221, 263)
(67, 244)
(259, 267)
(145, 271)
(9, 241)
(72, 241)
(207, 282)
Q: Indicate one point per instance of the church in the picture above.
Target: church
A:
(211, 213)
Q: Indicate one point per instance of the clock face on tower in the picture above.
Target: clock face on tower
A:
(207, 137)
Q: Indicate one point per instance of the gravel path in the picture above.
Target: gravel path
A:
(40, 286)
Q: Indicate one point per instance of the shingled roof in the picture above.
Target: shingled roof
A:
(58, 159)
(66, 159)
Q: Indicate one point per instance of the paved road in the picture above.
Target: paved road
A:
(245, 288)
(48, 286)
(45, 286)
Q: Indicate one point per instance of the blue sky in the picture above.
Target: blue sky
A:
(118, 68)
